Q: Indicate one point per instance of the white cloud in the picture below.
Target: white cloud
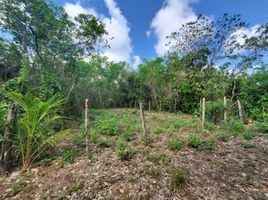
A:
(148, 33)
(73, 10)
(168, 19)
(117, 28)
(136, 62)
(244, 33)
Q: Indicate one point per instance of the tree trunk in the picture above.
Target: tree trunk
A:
(86, 125)
(225, 109)
(6, 155)
(203, 112)
(143, 123)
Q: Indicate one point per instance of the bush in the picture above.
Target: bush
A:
(94, 136)
(125, 153)
(214, 110)
(234, 126)
(175, 143)
(262, 127)
(158, 130)
(248, 136)
(208, 143)
(181, 123)
(194, 141)
(128, 134)
(224, 136)
(108, 124)
(210, 126)
(67, 155)
(179, 177)
(104, 143)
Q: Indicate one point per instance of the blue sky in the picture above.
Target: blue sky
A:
(139, 27)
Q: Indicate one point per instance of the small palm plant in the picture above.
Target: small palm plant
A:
(34, 133)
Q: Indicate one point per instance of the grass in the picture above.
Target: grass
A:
(210, 126)
(67, 155)
(248, 145)
(19, 185)
(248, 136)
(208, 143)
(108, 124)
(125, 153)
(234, 126)
(158, 130)
(159, 159)
(175, 143)
(224, 135)
(194, 141)
(179, 177)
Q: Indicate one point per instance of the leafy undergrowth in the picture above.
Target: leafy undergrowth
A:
(181, 161)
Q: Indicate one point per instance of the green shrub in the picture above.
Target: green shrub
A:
(214, 110)
(181, 123)
(179, 177)
(194, 141)
(150, 138)
(262, 127)
(158, 130)
(208, 143)
(74, 187)
(248, 136)
(210, 126)
(3, 116)
(159, 158)
(248, 145)
(128, 135)
(104, 143)
(94, 136)
(125, 153)
(175, 143)
(108, 124)
(45, 161)
(234, 126)
(67, 155)
(224, 136)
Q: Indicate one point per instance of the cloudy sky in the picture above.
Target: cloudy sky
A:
(139, 27)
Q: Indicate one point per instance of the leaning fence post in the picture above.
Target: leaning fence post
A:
(240, 111)
(86, 125)
(143, 123)
(225, 109)
(203, 111)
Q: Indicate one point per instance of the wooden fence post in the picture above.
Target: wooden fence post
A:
(225, 109)
(203, 111)
(175, 105)
(149, 106)
(240, 112)
(86, 125)
(143, 123)
(135, 104)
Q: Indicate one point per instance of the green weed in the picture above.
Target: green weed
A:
(179, 177)
(194, 141)
(175, 143)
